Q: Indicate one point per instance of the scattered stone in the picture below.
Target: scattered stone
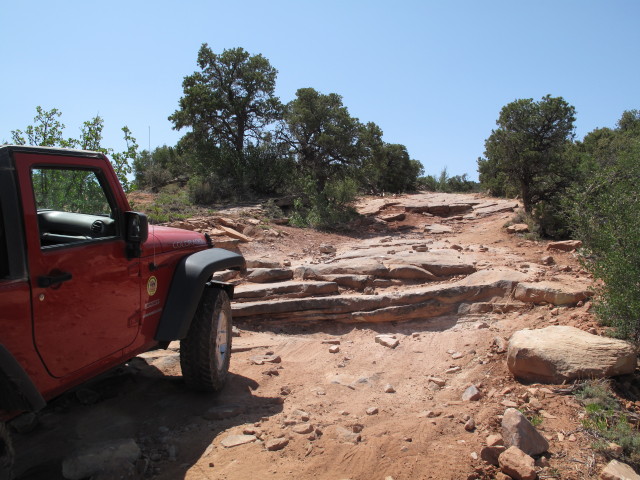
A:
(272, 372)
(262, 359)
(615, 449)
(517, 431)
(332, 341)
(494, 440)
(334, 349)
(517, 464)
(303, 428)
(438, 381)
(387, 340)
(565, 245)
(471, 394)
(547, 260)
(457, 356)
(470, 425)
(429, 414)
(116, 457)
(456, 247)
(561, 353)
(327, 249)
(275, 444)
(518, 228)
(285, 390)
(509, 403)
(490, 454)
(499, 345)
(372, 411)
(616, 470)
(389, 389)
(420, 248)
(453, 369)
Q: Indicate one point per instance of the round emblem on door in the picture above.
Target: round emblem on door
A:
(152, 286)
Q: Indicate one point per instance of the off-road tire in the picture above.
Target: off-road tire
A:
(7, 455)
(205, 352)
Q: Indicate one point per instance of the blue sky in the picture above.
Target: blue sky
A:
(433, 74)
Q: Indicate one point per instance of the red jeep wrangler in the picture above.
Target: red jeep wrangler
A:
(85, 284)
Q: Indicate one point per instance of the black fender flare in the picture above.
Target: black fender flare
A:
(189, 279)
(17, 390)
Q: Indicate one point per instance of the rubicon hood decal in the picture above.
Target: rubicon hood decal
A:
(165, 239)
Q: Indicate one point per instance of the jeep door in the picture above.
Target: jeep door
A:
(84, 291)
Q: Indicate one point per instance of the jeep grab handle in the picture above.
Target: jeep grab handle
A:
(46, 281)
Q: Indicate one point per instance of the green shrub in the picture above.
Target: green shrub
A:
(327, 209)
(606, 216)
(607, 422)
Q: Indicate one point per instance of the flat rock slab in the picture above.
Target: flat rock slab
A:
(437, 229)
(560, 353)
(286, 289)
(518, 228)
(393, 217)
(237, 440)
(556, 293)
(491, 208)
(565, 245)
(268, 275)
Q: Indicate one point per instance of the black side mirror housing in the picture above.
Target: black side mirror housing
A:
(137, 232)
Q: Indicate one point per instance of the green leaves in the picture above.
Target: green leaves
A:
(47, 131)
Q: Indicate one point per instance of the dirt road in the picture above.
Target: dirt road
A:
(337, 404)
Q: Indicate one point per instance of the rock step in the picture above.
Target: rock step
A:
(286, 289)
(428, 302)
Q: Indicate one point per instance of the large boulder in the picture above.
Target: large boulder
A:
(559, 353)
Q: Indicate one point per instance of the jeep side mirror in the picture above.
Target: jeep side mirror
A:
(137, 232)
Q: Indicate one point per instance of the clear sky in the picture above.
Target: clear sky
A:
(433, 74)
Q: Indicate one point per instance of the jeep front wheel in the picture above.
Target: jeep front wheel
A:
(205, 352)
(6, 452)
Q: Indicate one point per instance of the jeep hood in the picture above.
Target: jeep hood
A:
(167, 239)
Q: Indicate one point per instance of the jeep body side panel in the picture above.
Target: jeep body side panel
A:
(189, 278)
(95, 312)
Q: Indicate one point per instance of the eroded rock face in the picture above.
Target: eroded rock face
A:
(561, 353)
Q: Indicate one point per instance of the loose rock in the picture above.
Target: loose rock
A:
(517, 431)
(517, 464)
(471, 394)
(387, 341)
